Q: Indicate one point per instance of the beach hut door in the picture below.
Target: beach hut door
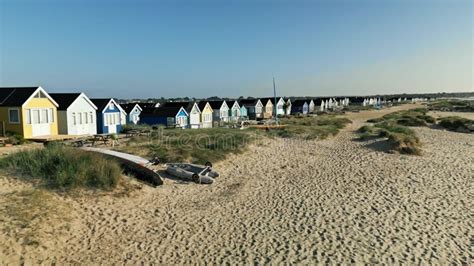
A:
(40, 122)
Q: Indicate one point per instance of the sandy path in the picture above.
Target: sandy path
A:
(297, 202)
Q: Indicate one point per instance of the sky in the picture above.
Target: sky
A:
(202, 48)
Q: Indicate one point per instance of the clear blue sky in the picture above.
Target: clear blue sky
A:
(131, 49)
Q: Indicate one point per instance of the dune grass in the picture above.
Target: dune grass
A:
(456, 123)
(310, 127)
(412, 117)
(215, 144)
(452, 105)
(394, 127)
(401, 138)
(196, 146)
(63, 168)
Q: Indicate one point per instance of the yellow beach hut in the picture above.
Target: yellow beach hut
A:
(206, 114)
(28, 111)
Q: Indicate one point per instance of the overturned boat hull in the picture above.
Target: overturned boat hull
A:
(192, 172)
(135, 165)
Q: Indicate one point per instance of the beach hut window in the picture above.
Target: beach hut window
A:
(35, 116)
(50, 115)
(79, 118)
(14, 116)
(40, 94)
(44, 116)
(91, 118)
(28, 116)
(74, 118)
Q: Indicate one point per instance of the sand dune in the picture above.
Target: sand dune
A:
(334, 200)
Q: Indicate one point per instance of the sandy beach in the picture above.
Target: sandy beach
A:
(330, 201)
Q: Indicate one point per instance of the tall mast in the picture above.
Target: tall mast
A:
(275, 105)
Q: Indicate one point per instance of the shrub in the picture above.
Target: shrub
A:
(401, 138)
(452, 105)
(63, 167)
(14, 138)
(456, 123)
(405, 144)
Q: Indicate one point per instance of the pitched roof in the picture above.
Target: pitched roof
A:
(186, 105)
(15, 96)
(299, 102)
(317, 101)
(101, 103)
(271, 99)
(248, 102)
(171, 111)
(147, 105)
(64, 99)
(128, 107)
(202, 105)
(216, 104)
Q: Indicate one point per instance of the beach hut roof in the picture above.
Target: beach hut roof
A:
(202, 105)
(147, 105)
(128, 107)
(18, 96)
(66, 99)
(216, 104)
(102, 103)
(248, 102)
(299, 102)
(170, 111)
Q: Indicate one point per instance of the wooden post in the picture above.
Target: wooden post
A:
(2, 129)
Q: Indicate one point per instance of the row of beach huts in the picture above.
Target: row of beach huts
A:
(32, 112)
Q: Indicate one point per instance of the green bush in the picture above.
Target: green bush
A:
(452, 105)
(401, 138)
(456, 123)
(63, 167)
(413, 118)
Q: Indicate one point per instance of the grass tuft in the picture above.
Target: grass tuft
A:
(412, 118)
(62, 167)
(452, 105)
(456, 123)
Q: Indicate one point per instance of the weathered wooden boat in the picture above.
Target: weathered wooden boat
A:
(135, 165)
(202, 174)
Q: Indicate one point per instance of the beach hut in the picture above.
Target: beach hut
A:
(311, 106)
(267, 107)
(280, 106)
(220, 112)
(194, 115)
(287, 107)
(299, 107)
(243, 112)
(28, 111)
(109, 116)
(234, 112)
(172, 116)
(254, 108)
(132, 112)
(192, 110)
(77, 115)
(206, 114)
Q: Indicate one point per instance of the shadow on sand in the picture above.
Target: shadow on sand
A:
(165, 175)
